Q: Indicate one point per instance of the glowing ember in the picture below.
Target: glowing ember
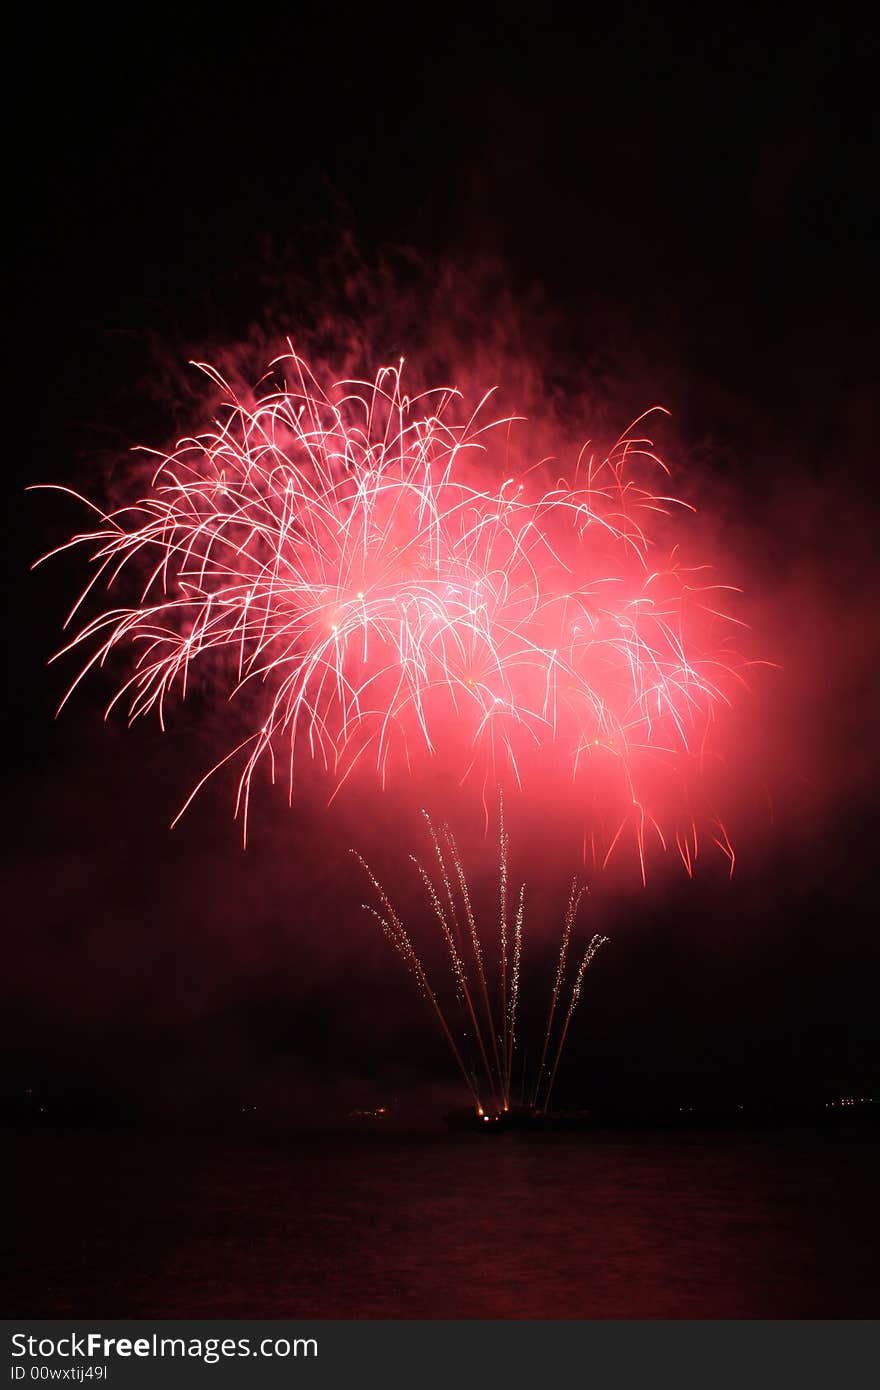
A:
(371, 574)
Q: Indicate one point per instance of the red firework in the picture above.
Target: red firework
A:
(370, 570)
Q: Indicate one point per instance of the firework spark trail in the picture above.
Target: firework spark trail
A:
(574, 899)
(497, 1078)
(459, 969)
(355, 559)
(441, 864)
(397, 934)
(475, 945)
(595, 945)
(453, 941)
(514, 985)
(502, 911)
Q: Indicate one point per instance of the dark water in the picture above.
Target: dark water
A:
(375, 1226)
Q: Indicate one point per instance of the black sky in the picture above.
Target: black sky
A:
(692, 208)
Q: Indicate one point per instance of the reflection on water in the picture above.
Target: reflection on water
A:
(538, 1226)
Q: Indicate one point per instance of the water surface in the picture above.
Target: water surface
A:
(446, 1226)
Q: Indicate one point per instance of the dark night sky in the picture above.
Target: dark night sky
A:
(685, 215)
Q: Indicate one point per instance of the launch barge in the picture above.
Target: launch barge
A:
(517, 1119)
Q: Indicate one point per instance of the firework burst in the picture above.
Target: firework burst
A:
(358, 570)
